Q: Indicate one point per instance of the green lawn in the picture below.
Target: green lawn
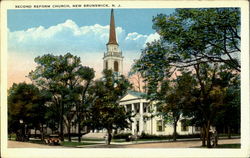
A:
(75, 144)
(92, 139)
(228, 146)
(118, 140)
(36, 141)
(65, 143)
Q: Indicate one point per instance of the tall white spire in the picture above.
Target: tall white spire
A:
(113, 58)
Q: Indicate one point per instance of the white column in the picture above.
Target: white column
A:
(133, 119)
(125, 107)
(141, 117)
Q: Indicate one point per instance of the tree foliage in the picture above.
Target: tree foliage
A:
(201, 35)
(175, 96)
(205, 42)
(105, 110)
(24, 102)
(66, 80)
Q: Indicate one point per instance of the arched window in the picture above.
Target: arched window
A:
(116, 66)
(106, 65)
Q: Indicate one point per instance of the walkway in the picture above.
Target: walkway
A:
(159, 144)
(16, 144)
(140, 144)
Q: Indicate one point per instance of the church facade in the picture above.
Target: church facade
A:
(148, 121)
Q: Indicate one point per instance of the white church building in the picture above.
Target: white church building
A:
(146, 119)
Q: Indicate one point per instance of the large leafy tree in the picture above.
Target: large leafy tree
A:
(83, 87)
(174, 96)
(229, 117)
(105, 110)
(63, 77)
(200, 40)
(24, 102)
(201, 35)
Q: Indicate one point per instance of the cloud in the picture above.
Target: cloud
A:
(152, 37)
(87, 42)
(64, 37)
(69, 37)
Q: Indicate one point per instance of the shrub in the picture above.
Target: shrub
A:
(122, 136)
(160, 137)
(151, 136)
(188, 136)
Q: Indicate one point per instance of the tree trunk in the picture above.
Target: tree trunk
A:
(174, 133)
(229, 132)
(42, 134)
(109, 136)
(203, 134)
(61, 123)
(69, 137)
(208, 135)
(79, 132)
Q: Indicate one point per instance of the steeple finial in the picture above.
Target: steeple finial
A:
(112, 35)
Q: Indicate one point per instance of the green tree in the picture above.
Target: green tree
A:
(105, 110)
(201, 35)
(229, 117)
(87, 74)
(61, 76)
(172, 96)
(199, 40)
(24, 102)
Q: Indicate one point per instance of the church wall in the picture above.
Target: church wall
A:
(150, 126)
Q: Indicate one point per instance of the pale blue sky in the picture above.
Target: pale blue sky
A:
(133, 20)
(82, 32)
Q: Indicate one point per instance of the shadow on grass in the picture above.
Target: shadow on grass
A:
(76, 144)
(228, 146)
(65, 143)
(221, 146)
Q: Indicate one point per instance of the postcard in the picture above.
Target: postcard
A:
(125, 79)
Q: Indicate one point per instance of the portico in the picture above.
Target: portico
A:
(145, 119)
(134, 102)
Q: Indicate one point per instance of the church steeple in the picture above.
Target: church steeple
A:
(112, 34)
(113, 58)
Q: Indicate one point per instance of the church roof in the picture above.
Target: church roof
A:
(112, 34)
(136, 94)
(132, 95)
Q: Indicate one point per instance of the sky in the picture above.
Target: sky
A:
(82, 32)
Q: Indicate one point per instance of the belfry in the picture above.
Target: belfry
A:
(113, 58)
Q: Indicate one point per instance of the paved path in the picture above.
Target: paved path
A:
(166, 144)
(180, 144)
(16, 144)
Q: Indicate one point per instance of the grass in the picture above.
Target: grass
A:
(75, 144)
(118, 140)
(228, 146)
(226, 135)
(36, 141)
(65, 143)
(92, 139)
(88, 139)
